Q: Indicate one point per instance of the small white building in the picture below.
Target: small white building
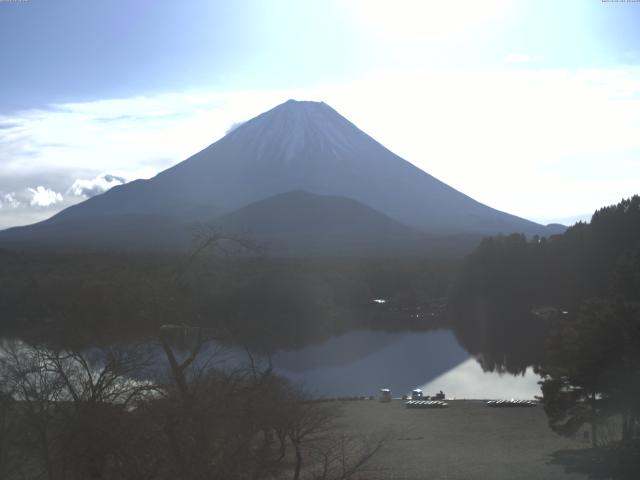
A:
(385, 395)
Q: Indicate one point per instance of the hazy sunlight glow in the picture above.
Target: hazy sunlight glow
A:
(425, 20)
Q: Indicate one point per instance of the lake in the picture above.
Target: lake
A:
(363, 361)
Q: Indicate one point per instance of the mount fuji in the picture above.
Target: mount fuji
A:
(299, 160)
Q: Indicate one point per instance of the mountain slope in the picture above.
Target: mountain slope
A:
(295, 146)
(303, 223)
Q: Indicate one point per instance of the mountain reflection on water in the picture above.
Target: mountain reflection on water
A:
(468, 380)
(363, 361)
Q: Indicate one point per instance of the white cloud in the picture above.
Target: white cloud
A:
(10, 200)
(95, 186)
(133, 137)
(523, 59)
(517, 58)
(43, 197)
(233, 127)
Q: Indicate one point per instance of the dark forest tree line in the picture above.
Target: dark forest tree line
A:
(568, 305)
(279, 302)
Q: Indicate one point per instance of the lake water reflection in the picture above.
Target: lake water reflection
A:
(363, 361)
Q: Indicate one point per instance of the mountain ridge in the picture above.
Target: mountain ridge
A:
(303, 146)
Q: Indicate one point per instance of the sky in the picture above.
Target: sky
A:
(531, 107)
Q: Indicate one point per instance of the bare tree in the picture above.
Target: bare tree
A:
(305, 422)
(72, 410)
(27, 375)
(341, 456)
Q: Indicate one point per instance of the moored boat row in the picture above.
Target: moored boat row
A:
(511, 403)
(426, 404)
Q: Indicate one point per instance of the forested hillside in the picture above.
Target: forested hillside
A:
(269, 302)
(570, 306)
(511, 287)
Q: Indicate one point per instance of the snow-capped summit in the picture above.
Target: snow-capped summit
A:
(297, 126)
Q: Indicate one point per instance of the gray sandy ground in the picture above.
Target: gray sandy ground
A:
(467, 440)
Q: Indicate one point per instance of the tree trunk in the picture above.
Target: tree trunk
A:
(174, 446)
(296, 473)
(283, 446)
(267, 437)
